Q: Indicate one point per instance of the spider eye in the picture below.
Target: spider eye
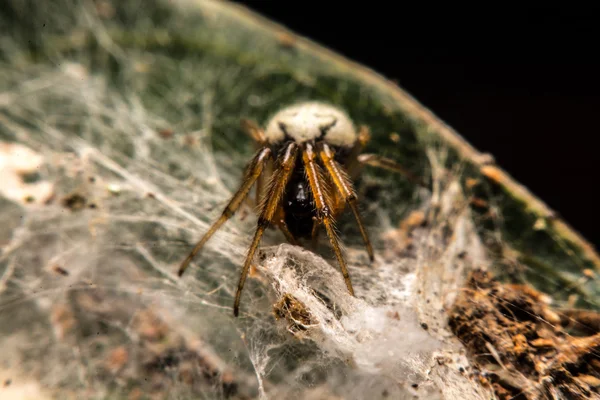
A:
(327, 127)
(283, 128)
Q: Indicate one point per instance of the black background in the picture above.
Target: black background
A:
(522, 84)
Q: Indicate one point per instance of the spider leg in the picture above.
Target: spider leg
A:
(363, 138)
(280, 221)
(315, 234)
(258, 135)
(253, 171)
(255, 203)
(260, 183)
(323, 204)
(343, 184)
(375, 160)
(280, 179)
(254, 131)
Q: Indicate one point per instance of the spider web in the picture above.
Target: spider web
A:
(111, 185)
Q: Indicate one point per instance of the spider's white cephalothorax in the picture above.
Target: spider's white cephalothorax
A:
(311, 121)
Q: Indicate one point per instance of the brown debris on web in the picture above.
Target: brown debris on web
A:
(521, 346)
(299, 317)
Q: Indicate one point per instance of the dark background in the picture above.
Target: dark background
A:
(520, 84)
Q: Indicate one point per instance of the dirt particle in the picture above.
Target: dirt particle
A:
(588, 273)
(492, 173)
(166, 133)
(286, 40)
(479, 202)
(393, 315)
(190, 140)
(117, 359)
(63, 321)
(60, 270)
(74, 201)
(470, 183)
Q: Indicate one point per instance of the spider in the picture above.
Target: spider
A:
(311, 152)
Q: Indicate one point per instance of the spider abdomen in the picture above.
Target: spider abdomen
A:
(299, 207)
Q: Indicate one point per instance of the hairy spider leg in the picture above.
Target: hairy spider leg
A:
(339, 205)
(255, 132)
(253, 171)
(315, 234)
(375, 160)
(258, 135)
(323, 205)
(275, 192)
(280, 221)
(342, 182)
(353, 166)
(356, 160)
(260, 183)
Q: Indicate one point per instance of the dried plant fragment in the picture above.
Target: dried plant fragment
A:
(519, 344)
(295, 312)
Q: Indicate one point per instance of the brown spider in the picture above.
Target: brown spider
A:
(298, 142)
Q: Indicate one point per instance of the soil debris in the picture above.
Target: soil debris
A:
(519, 344)
(74, 201)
